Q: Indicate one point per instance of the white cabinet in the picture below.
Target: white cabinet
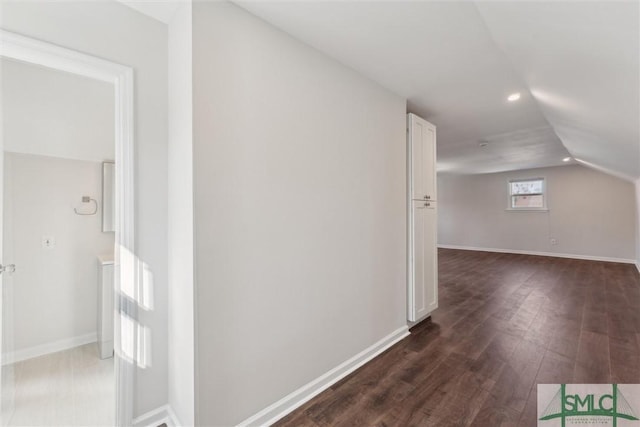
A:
(105, 306)
(422, 158)
(422, 276)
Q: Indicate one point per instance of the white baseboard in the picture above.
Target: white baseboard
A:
(284, 406)
(173, 419)
(638, 266)
(550, 254)
(163, 414)
(52, 347)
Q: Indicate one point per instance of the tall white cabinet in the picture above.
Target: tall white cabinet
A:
(105, 306)
(422, 211)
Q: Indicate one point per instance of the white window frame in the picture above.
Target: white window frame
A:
(544, 207)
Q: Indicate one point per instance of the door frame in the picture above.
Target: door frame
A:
(26, 49)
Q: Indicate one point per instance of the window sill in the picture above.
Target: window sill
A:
(527, 210)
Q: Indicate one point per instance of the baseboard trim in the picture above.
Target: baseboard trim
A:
(52, 347)
(287, 404)
(549, 254)
(638, 267)
(173, 418)
(163, 414)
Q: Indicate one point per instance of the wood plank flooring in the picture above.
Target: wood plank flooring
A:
(505, 324)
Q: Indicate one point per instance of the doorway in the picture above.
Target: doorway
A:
(38, 182)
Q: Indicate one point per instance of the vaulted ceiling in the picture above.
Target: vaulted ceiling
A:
(575, 64)
(160, 10)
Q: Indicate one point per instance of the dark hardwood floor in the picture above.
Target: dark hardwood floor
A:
(505, 323)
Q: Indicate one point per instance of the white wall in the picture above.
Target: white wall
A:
(590, 213)
(54, 113)
(54, 289)
(115, 32)
(299, 175)
(181, 305)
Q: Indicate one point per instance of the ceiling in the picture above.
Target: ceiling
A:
(161, 11)
(581, 63)
(576, 65)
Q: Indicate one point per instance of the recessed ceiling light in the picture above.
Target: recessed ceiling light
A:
(566, 159)
(513, 97)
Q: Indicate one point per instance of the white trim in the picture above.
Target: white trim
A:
(155, 417)
(48, 55)
(51, 347)
(173, 418)
(410, 283)
(34, 51)
(638, 266)
(550, 254)
(284, 406)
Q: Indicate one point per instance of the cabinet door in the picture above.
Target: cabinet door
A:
(423, 280)
(422, 146)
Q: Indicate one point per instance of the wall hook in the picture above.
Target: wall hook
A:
(87, 199)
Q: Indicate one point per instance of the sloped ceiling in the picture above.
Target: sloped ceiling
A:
(575, 65)
(580, 60)
(162, 11)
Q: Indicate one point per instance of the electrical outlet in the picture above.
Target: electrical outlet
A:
(48, 242)
(553, 241)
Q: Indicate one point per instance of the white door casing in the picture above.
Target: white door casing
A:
(25, 49)
(6, 374)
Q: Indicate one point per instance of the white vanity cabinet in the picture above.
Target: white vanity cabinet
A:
(105, 306)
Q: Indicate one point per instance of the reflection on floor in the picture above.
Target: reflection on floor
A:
(69, 388)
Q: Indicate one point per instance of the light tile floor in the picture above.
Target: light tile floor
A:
(69, 388)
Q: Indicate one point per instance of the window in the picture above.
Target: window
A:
(527, 194)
